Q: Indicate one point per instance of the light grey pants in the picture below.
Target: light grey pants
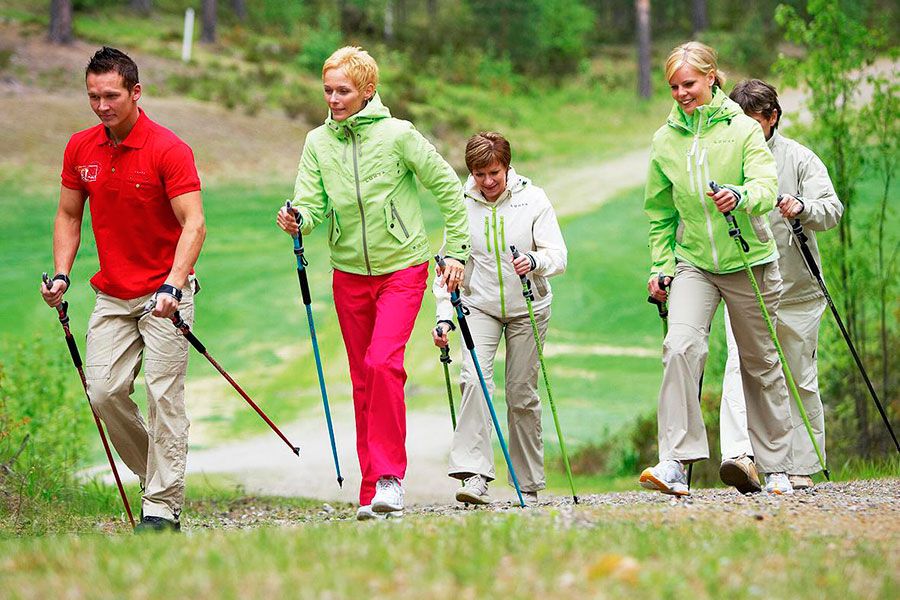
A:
(472, 451)
(798, 332)
(693, 299)
(118, 338)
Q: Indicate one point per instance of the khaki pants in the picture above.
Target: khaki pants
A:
(798, 332)
(118, 338)
(694, 298)
(472, 452)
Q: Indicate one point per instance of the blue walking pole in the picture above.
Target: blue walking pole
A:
(307, 302)
(470, 344)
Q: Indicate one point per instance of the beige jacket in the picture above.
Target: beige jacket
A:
(522, 216)
(803, 175)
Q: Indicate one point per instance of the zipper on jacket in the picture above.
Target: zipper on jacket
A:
(499, 264)
(398, 219)
(487, 233)
(362, 213)
(703, 170)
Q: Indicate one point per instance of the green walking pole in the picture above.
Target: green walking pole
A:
(445, 361)
(529, 298)
(735, 232)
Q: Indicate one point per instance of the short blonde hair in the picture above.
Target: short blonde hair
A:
(361, 68)
(485, 148)
(699, 57)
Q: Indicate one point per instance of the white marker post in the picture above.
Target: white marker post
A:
(188, 35)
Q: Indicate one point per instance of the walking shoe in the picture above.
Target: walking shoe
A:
(667, 477)
(152, 524)
(388, 495)
(365, 513)
(530, 498)
(778, 484)
(740, 473)
(800, 482)
(474, 491)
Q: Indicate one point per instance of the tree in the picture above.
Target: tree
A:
(240, 10)
(60, 22)
(141, 6)
(208, 30)
(699, 18)
(642, 8)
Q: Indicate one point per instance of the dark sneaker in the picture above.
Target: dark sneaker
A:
(157, 524)
(740, 473)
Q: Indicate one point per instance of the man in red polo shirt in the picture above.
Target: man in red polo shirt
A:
(148, 223)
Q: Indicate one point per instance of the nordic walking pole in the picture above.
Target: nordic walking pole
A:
(445, 361)
(817, 274)
(735, 232)
(307, 302)
(470, 344)
(62, 310)
(529, 300)
(189, 335)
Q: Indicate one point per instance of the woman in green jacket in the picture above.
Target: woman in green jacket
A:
(707, 138)
(359, 170)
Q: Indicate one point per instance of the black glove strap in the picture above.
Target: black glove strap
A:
(448, 322)
(62, 277)
(170, 290)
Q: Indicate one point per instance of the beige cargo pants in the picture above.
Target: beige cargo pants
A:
(118, 338)
(798, 332)
(472, 451)
(693, 299)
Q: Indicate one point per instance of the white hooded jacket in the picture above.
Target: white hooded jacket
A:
(522, 216)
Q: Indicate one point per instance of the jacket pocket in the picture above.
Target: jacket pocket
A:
(141, 187)
(679, 232)
(335, 231)
(761, 228)
(394, 222)
(541, 285)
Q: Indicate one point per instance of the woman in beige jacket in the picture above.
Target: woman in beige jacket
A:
(504, 209)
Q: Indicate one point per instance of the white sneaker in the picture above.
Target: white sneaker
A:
(668, 477)
(474, 491)
(388, 495)
(365, 513)
(778, 484)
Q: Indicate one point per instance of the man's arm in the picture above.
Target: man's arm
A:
(188, 210)
(66, 239)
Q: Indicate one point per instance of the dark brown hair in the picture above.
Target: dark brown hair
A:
(109, 59)
(485, 148)
(758, 97)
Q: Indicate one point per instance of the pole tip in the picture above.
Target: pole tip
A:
(296, 450)
(575, 498)
(341, 482)
(827, 474)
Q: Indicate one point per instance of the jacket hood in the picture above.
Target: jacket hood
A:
(514, 184)
(720, 108)
(373, 111)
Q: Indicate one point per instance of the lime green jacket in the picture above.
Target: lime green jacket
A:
(717, 142)
(360, 174)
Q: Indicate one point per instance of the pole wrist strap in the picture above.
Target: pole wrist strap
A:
(62, 277)
(171, 290)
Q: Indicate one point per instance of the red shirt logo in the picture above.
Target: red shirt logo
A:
(88, 172)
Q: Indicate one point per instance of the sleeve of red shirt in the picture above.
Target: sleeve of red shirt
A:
(70, 176)
(179, 172)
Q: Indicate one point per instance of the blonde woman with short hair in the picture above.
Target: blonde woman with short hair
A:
(359, 170)
(504, 209)
(708, 137)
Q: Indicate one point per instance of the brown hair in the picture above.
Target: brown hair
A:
(699, 57)
(485, 148)
(106, 60)
(757, 97)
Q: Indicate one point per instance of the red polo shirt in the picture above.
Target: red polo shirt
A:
(130, 187)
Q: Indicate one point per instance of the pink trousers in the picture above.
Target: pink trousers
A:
(376, 314)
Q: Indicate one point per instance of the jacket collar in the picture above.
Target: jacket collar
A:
(373, 111)
(774, 140)
(720, 108)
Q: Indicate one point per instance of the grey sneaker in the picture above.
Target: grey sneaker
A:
(800, 482)
(388, 495)
(778, 484)
(740, 473)
(365, 513)
(667, 477)
(474, 491)
(530, 498)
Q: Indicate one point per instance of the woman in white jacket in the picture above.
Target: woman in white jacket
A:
(504, 209)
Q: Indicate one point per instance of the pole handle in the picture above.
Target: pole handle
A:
(185, 329)
(733, 229)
